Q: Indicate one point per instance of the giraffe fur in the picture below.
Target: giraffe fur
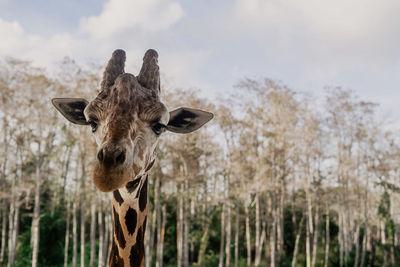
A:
(127, 118)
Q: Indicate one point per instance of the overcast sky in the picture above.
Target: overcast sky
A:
(206, 44)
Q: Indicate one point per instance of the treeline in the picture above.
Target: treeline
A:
(279, 178)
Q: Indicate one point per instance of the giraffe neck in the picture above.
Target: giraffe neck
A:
(129, 224)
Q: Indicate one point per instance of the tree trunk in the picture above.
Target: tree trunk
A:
(372, 245)
(237, 238)
(310, 226)
(100, 219)
(157, 208)
(164, 223)
(11, 249)
(228, 222)
(206, 226)
(36, 218)
(280, 225)
(392, 255)
(308, 249)
(315, 241)
(68, 154)
(327, 237)
(74, 235)
(357, 243)
(92, 233)
(228, 236)
(258, 235)
(203, 245)
(364, 246)
(3, 229)
(149, 239)
(263, 238)
(272, 239)
(13, 229)
(248, 235)
(296, 244)
(82, 209)
(340, 237)
(179, 232)
(366, 225)
(186, 228)
(346, 232)
(151, 225)
(53, 203)
(66, 243)
(109, 237)
(82, 236)
(383, 241)
(391, 239)
(17, 204)
(16, 226)
(222, 239)
(160, 243)
(3, 190)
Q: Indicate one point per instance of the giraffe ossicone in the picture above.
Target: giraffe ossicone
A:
(127, 118)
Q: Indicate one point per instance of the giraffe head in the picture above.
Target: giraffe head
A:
(126, 119)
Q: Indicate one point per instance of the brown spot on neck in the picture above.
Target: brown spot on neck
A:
(131, 220)
(132, 185)
(115, 259)
(143, 195)
(137, 251)
(118, 230)
(150, 165)
(118, 197)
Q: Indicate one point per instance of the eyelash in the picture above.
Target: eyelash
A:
(158, 128)
(94, 126)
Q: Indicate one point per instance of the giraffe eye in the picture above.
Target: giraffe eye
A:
(94, 126)
(158, 128)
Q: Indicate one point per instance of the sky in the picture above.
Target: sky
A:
(307, 45)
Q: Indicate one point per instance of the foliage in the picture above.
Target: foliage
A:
(278, 160)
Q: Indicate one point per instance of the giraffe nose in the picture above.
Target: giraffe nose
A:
(120, 157)
(111, 158)
(100, 155)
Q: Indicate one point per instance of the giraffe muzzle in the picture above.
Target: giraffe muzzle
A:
(111, 158)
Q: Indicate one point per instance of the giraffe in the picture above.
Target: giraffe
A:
(126, 119)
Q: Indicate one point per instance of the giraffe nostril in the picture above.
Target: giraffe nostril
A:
(100, 155)
(120, 158)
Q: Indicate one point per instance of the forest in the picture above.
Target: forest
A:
(279, 177)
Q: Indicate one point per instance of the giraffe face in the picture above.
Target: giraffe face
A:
(126, 119)
(126, 125)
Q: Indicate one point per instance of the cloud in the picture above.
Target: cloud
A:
(328, 37)
(11, 33)
(342, 24)
(121, 24)
(311, 44)
(121, 15)
(44, 51)
(184, 68)
(339, 18)
(140, 28)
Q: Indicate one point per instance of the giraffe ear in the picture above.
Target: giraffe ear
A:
(187, 120)
(71, 109)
